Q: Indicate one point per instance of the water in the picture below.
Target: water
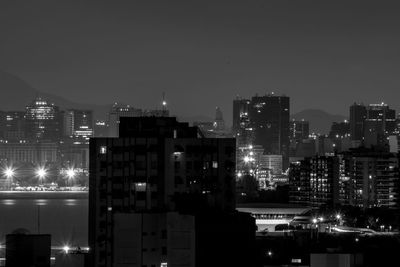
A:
(64, 215)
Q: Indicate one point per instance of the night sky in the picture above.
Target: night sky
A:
(322, 54)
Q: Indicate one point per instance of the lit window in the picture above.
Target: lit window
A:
(103, 150)
(215, 164)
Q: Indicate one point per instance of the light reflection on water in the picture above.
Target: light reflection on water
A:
(64, 216)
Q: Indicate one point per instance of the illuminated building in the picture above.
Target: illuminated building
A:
(360, 177)
(315, 181)
(100, 128)
(29, 152)
(299, 130)
(299, 182)
(78, 123)
(12, 125)
(158, 168)
(219, 123)
(339, 130)
(380, 122)
(43, 121)
(370, 178)
(269, 119)
(241, 122)
(371, 125)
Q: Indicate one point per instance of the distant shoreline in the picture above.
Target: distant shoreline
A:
(44, 195)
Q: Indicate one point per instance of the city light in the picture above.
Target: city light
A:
(338, 216)
(9, 172)
(71, 173)
(41, 172)
(66, 249)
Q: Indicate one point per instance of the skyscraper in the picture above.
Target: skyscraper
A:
(269, 119)
(299, 130)
(117, 111)
(43, 120)
(370, 125)
(219, 123)
(78, 123)
(358, 113)
(12, 125)
(380, 122)
(241, 122)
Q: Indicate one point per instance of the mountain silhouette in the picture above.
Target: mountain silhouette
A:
(320, 121)
(16, 94)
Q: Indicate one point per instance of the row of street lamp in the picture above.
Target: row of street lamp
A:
(40, 172)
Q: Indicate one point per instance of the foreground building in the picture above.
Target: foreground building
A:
(165, 183)
(26, 250)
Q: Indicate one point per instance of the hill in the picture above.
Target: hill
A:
(320, 121)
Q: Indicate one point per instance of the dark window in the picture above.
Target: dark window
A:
(177, 165)
(164, 234)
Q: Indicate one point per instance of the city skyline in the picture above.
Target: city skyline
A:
(205, 51)
(199, 133)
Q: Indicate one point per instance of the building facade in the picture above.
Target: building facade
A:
(157, 166)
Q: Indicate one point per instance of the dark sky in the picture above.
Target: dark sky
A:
(323, 54)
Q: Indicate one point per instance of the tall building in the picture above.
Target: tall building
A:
(100, 128)
(339, 130)
(299, 182)
(361, 177)
(269, 119)
(369, 178)
(12, 125)
(315, 181)
(371, 125)
(43, 121)
(161, 181)
(117, 111)
(219, 123)
(241, 122)
(380, 122)
(358, 113)
(78, 123)
(299, 130)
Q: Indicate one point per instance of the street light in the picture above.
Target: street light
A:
(71, 173)
(9, 173)
(41, 172)
(66, 249)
